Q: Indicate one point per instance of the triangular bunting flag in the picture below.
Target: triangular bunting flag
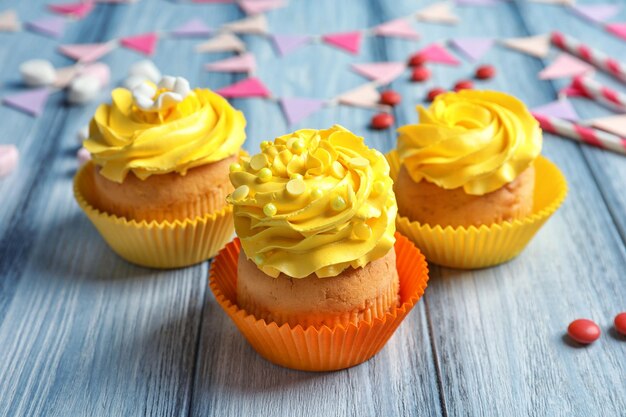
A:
(86, 52)
(363, 96)
(286, 44)
(438, 54)
(561, 109)
(250, 87)
(31, 102)
(260, 6)
(241, 63)
(398, 28)
(297, 109)
(65, 76)
(380, 72)
(192, 28)
(51, 26)
(473, 48)
(617, 29)
(9, 22)
(76, 10)
(438, 13)
(348, 41)
(224, 42)
(146, 43)
(596, 13)
(256, 24)
(564, 65)
(538, 46)
(612, 124)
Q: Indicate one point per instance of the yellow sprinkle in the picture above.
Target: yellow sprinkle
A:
(337, 170)
(362, 231)
(317, 194)
(269, 209)
(265, 144)
(377, 188)
(338, 203)
(298, 146)
(285, 156)
(296, 176)
(235, 167)
(258, 161)
(240, 193)
(296, 187)
(264, 175)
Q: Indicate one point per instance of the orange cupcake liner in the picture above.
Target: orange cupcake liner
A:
(319, 348)
(488, 245)
(156, 244)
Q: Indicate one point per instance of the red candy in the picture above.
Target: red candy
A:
(417, 59)
(583, 331)
(620, 323)
(390, 98)
(434, 93)
(463, 85)
(382, 121)
(484, 72)
(420, 74)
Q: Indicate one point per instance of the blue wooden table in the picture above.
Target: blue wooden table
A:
(83, 333)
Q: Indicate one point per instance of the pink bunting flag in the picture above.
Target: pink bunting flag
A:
(561, 109)
(364, 96)
(192, 28)
(146, 43)
(398, 28)
(9, 22)
(286, 44)
(472, 48)
(348, 41)
(596, 13)
(438, 54)
(612, 124)
(617, 29)
(86, 52)
(381, 72)
(256, 25)
(537, 46)
(31, 102)
(297, 109)
(224, 42)
(250, 87)
(75, 10)
(438, 13)
(241, 63)
(9, 158)
(565, 65)
(260, 6)
(50, 26)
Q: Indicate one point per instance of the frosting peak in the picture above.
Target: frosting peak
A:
(156, 129)
(314, 201)
(478, 140)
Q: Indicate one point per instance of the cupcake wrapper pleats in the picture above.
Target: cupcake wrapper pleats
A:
(320, 348)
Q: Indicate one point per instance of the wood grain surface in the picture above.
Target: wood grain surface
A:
(83, 333)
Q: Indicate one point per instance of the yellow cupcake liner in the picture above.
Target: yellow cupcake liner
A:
(487, 245)
(319, 348)
(156, 244)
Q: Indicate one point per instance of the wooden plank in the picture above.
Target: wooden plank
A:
(231, 378)
(82, 331)
(499, 331)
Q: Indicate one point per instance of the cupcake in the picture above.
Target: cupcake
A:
(465, 179)
(317, 279)
(315, 213)
(160, 162)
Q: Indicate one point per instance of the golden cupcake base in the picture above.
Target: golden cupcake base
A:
(155, 244)
(487, 245)
(320, 348)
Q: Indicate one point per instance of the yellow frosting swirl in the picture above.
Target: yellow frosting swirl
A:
(314, 201)
(200, 129)
(478, 140)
